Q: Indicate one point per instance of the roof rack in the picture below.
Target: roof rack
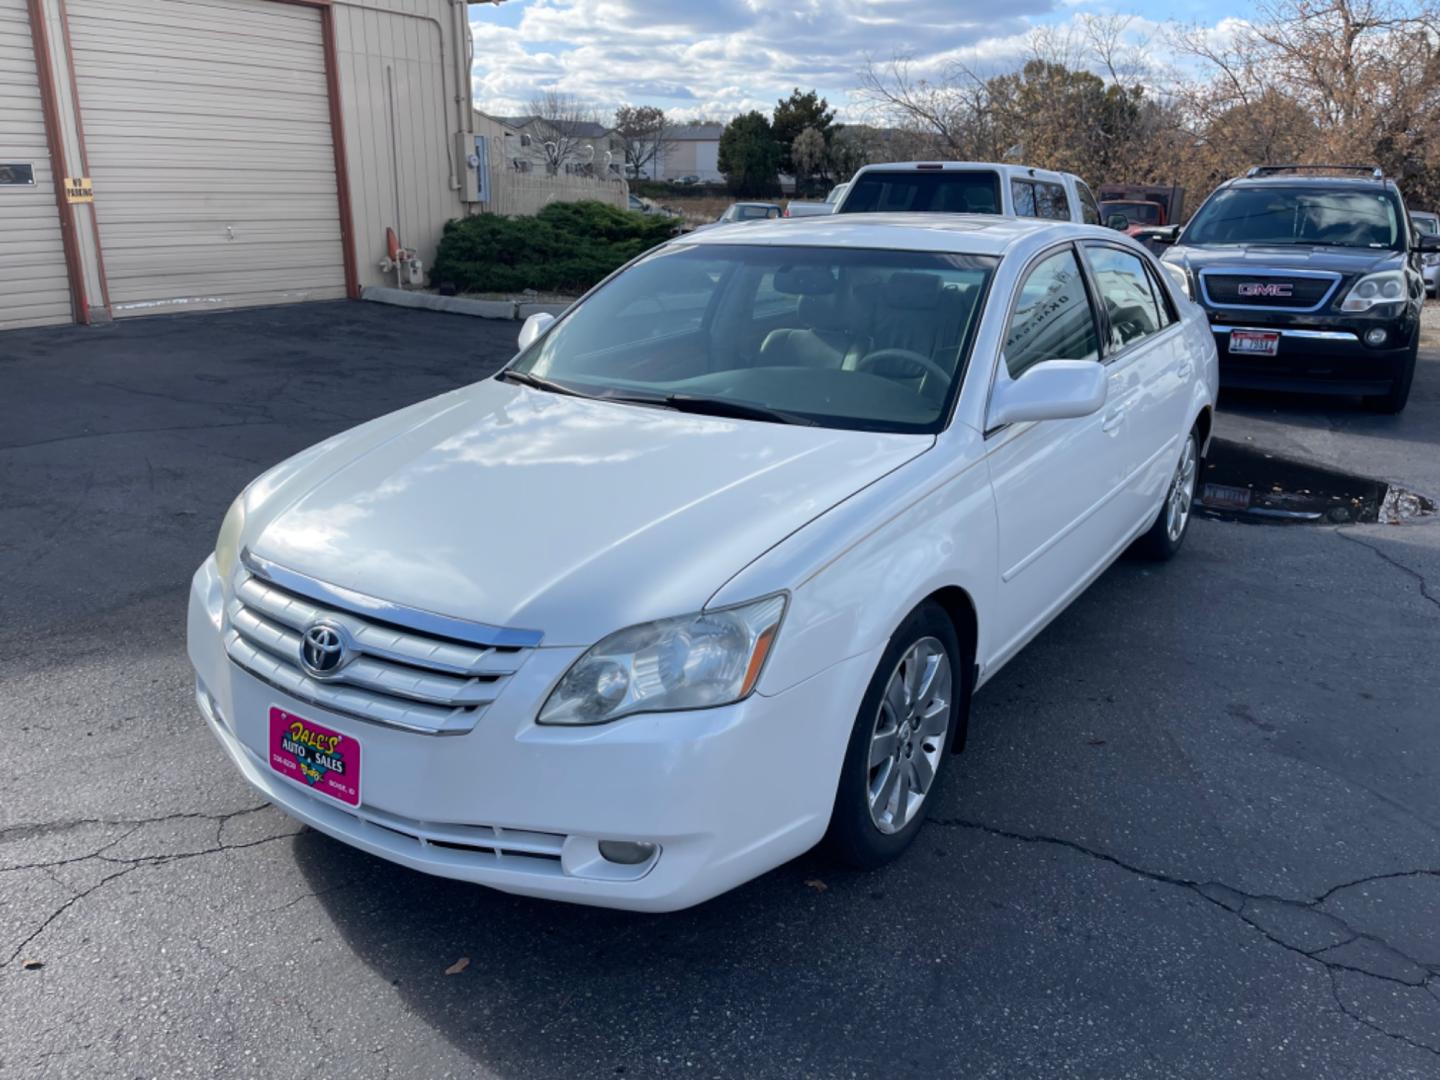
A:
(1374, 171)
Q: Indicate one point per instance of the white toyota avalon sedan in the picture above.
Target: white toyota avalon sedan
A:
(708, 573)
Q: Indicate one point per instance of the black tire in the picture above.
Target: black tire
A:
(1399, 394)
(1158, 544)
(854, 837)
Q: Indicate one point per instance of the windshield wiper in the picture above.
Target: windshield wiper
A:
(741, 410)
(710, 406)
(537, 382)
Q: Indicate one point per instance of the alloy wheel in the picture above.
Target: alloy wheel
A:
(1182, 493)
(909, 734)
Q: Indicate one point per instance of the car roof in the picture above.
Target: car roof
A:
(1006, 169)
(1425, 214)
(967, 234)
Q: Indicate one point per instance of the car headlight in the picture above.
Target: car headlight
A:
(1180, 276)
(227, 544)
(692, 662)
(1386, 287)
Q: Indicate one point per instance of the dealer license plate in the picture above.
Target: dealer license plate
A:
(311, 754)
(1254, 342)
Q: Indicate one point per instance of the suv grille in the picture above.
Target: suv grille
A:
(1268, 289)
(397, 676)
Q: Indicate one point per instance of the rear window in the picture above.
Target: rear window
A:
(947, 191)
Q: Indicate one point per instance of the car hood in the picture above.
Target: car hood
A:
(569, 516)
(1346, 261)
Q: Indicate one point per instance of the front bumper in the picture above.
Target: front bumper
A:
(1317, 354)
(726, 794)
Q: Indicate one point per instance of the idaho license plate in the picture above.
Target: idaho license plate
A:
(311, 754)
(1254, 342)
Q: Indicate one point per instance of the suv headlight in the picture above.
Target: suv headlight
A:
(1386, 287)
(227, 544)
(692, 662)
(1180, 276)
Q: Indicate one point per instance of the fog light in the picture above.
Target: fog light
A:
(626, 852)
(1375, 337)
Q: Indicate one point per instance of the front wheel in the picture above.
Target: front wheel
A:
(900, 744)
(1165, 536)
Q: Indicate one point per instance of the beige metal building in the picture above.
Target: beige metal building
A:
(179, 155)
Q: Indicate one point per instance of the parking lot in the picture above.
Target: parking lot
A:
(1194, 834)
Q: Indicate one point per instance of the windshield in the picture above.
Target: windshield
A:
(947, 191)
(841, 337)
(1298, 215)
(1428, 225)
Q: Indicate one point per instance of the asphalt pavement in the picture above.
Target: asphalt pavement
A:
(1194, 834)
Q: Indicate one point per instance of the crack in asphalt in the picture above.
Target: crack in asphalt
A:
(31, 829)
(1419, 577)
(130, 863)
(1213, 892)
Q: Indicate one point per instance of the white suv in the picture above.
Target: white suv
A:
(970, 187)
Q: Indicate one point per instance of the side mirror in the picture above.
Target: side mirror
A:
(1050, 390)
(1118, 222)
(1427, 242)
(534, 326)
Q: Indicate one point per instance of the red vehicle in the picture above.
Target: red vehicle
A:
(1145, 206)
(1138, 214)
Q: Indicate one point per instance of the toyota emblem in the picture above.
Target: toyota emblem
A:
(324, 649)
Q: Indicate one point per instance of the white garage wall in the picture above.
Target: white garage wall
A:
(207, 124)
(398, 89)
(34, 287)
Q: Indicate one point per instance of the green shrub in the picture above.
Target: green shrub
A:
(566, 248)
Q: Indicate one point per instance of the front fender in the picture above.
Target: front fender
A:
(855, 572)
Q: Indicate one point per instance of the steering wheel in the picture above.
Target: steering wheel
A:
(908, 356)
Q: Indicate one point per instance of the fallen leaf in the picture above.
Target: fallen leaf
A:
(32, 965)
(458, 966)
(817, 885)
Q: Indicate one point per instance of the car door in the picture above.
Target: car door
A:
(1055, 482)
(1149, 367)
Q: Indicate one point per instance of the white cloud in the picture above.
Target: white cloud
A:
(719, 57)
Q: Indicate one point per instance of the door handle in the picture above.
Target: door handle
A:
(1183, 371)
(1113, 419)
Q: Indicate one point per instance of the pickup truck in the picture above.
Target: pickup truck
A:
(799, 208)
(970, 187)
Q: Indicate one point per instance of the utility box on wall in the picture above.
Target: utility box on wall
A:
(475, 152)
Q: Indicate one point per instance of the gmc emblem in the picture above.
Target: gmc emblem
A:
(1280, 289)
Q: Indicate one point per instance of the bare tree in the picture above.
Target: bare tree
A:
(646, 135)
(565, 134)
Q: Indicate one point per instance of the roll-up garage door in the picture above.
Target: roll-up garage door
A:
(34, 288)
(208, 129)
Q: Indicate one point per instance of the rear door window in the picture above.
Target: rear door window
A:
(1132, 309)
(1050, 201)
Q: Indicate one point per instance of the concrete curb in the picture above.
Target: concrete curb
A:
(456, 305)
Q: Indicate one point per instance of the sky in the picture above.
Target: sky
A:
(717, 58)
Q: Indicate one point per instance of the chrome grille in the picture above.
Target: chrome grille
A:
(399, 676)
(1269, 290)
